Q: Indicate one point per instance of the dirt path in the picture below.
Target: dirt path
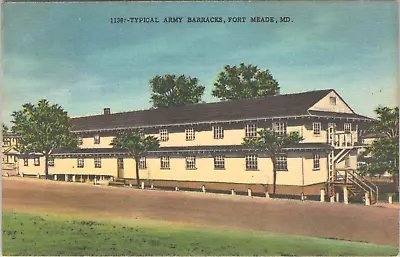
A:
(353, 222)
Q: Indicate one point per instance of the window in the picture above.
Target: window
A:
(120, 163)
(279, 128)
(347, 161)
(142, 163)
(316, 158)
(7, 141)
(251, 130)
(81, 163)
(219, 162)
(347, 127)
(97, 162)
(332, 100)
(164, 162)
(97, 139)
(164, 135)
(251, 162)
(281, 163)
(218, 132)
(189, 134)
(317, 128)
(190, 163)
(51, 162)
(25, 161)
(37, 161)
(80, 140)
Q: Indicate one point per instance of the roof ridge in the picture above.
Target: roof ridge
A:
(208, 103)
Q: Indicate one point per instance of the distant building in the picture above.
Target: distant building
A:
(201, 145)
(9, 154)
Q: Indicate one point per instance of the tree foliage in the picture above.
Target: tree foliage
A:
(244, 82)
(271, 143)
(4, 130)
(172, 91)
(383, 154)
(43, 128)
(137, 146)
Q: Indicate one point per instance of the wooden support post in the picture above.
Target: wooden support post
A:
(267, 195)
(66, 177)
(142, 185)
(233, 192)
(152, 186)
(55, 177)
(345, 195)
(249, 192)
(337, 197)
(322, 195)
(390, 198)
(81, 179)
(73, 178)
(302, 197)
(332, 199)
(176, 188)
(38, 175)
(203, 189)
(367, 199)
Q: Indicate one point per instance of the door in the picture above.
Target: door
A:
(120, 165)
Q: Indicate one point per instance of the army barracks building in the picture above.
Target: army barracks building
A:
(201, 145)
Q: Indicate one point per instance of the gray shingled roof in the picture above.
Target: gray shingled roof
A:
(260, 107)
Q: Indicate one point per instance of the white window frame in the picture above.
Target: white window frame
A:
(317, 128)
(251, 162)
(164, 136)
(219, 162)
(97, 162)
(80, 141)
(7, 141)
(190, 134)
(279, 127)
(190, 162)
(51, 162)
(164, 163)
(347, 127)
(218, 132)
(36, 161)
(96, 139)
(281, 163)
(316, 161)
(251, 130)
(143, 163)
(80, 163)
(120, 163)
(332, 100)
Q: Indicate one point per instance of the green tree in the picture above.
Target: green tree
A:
(4, 130)
(271, 143)
(137, 145)
(244, 82)
(43, 128)
(383, 154)
(172, 91)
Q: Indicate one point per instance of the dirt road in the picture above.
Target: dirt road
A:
(353, 222)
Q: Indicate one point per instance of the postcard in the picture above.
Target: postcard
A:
(200, 128)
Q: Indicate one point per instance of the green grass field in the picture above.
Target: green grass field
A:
(28, 234)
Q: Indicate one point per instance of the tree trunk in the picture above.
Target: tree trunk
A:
(137, 160)
(274, 171)
(46, 165)
(396, 182)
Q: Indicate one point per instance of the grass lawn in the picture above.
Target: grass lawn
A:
(31, 234)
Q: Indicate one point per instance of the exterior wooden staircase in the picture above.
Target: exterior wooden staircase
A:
(357, 185)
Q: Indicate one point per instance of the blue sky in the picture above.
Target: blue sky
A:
(72, 55)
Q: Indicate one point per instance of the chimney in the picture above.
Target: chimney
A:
(107, 111)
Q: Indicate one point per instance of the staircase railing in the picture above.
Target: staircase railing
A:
(359, 181)
(364, 184)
